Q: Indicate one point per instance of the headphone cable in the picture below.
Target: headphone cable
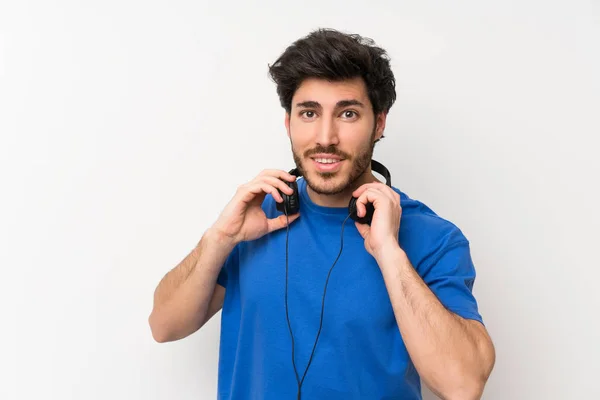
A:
(298, 381)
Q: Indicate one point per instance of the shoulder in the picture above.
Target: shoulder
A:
(424, 233)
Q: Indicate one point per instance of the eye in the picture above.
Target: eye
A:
(307, 114)
(349, 114)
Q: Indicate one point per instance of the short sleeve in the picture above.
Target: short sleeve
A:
(450, 274)
(229, 268)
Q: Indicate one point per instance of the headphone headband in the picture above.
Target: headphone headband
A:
(382, 170)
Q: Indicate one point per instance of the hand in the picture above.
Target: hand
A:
(385, 225)
(243, 218)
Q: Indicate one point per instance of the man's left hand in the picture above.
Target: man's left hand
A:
(385, 225)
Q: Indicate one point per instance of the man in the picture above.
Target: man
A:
(398, 306)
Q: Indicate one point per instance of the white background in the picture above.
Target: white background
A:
(127, 125)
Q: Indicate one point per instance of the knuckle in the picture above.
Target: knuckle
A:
(243, 188)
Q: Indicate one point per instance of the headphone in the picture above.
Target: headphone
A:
(291, 205)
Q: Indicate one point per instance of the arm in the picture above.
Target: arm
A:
(188, 296)
(454, 356)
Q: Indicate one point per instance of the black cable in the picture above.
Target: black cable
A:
(287, 314)
(300, 382)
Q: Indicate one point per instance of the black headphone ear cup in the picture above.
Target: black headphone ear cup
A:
(291, 203)
(367, 218)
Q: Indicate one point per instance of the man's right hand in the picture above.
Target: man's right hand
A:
(243, 218)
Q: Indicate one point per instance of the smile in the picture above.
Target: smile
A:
(327, 164)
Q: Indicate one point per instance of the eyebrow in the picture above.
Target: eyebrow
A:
(340, 104)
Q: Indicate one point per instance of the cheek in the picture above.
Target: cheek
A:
(354, 140)
(301, 134)
(298, 126)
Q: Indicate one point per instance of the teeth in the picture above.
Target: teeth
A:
(325, 160)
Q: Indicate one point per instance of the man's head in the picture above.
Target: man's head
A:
(336, 89)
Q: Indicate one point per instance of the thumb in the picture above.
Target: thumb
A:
(363, 229)
(280, 222)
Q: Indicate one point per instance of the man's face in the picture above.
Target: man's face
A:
(332, 129)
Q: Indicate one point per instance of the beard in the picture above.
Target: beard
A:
(331, 183)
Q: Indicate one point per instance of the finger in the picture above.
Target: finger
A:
(273, 191)
(360, 190)
(376, 185)
(278, 183)
(277, 173)
(371, 195)
(280, 222)
(363, 229)
(386, 191)
(251, 191)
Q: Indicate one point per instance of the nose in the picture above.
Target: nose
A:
(327, 134)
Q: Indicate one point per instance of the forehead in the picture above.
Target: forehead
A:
(328, 93)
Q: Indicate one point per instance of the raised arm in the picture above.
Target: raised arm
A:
(188, 296)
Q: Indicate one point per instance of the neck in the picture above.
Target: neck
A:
(343, 198)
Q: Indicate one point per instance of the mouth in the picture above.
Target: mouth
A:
(327, 163)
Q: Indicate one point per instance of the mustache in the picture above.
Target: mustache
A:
(326, 150)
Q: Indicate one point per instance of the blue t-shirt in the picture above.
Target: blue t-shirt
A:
(360, 353)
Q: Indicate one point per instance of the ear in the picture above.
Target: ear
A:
(380, 125)
(287, 123)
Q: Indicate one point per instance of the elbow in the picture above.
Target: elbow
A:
(159, 334)
(159, 338)
(468, 390)
(458, 386)
(469, 385)
(166, 327)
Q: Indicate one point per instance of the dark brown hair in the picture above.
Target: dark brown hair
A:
(335, 56)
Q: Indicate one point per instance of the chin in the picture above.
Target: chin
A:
(328, 183)
(335, 181)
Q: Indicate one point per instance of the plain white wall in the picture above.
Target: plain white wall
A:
(127, 125)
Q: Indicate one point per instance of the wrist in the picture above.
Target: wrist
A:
(215, 238)
(386, 249)
(391, 257)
